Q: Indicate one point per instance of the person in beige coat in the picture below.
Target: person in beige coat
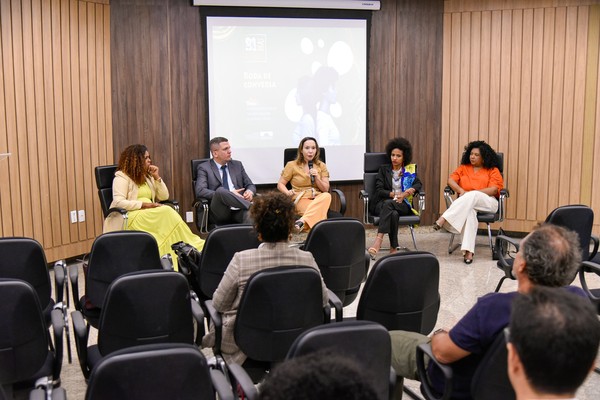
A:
(273, 215)
(138, 188)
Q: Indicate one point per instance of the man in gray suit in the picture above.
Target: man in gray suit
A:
(225, 183)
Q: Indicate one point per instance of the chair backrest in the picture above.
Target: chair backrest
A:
(490, 381)
(402, 292)
(578, 218)
(290, 154)
(24, 258)
(23, 346)
(338, 248)
(277, 305)
(143, 308)
(500, 162)
(368, 343)
(159, 371)
(117, 253)
(104, 178)
(372, 162)
(194, 166)
(220, 246)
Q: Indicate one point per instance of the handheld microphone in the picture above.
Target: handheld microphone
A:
(312, 177)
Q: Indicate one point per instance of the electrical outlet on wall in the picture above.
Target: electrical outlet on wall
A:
(189, 216)
(81, 215)
(73, 214)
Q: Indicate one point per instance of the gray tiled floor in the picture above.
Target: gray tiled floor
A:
(460, 285)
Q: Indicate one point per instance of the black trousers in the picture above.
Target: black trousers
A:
(220, 208)
(389, 211)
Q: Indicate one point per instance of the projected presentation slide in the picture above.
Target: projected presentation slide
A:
(273, 81)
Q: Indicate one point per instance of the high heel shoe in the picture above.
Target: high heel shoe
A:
(299, 225)
(468, 260)
(375, 248)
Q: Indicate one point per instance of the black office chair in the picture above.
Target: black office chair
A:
(24, 258)
(338, 248)
(372, 162)
(220, 246)
(591, 268)
(402, 292)
(142, 307)
(277, 305)
(157, 371)
(487, 218)
(290, 154)
(368, 343)
(104, 179)
(28, 358)
(490, 381)
(578, 218)
(113, 254)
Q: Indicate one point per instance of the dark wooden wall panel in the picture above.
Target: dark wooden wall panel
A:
(159, 94)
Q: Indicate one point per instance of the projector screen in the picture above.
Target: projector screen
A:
(273, 81)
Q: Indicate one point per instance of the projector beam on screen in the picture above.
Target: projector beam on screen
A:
(274, 80)
(325, 4)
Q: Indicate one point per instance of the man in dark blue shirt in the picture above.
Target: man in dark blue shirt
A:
(548, 256)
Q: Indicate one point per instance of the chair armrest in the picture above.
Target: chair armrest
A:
(448, 193)
(364, 195)
(166, 262)
(342, 200)
(172, 203)
(119, 210)
(336, 303)
(596, 241)
(504, 194)
(423, 349)
(217, 322)
(239, 376)
(591, 267)
(498, 249)
(220, 384)
(58, 327)
(204, 204)
(392, 386)
(81, 339)
(421, 201)
(60, 272)
(198, 314)
(74, 277)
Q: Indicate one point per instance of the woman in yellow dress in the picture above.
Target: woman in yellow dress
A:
(310, 184)
(137, 187)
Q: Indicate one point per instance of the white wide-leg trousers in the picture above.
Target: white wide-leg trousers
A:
(461, 216)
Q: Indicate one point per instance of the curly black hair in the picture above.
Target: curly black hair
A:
(402, 144)
(133, 164)
(274, 214)
(490, 158)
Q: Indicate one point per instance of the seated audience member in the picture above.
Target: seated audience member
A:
(548, 256)
(322, 375)
(477, 181)
(552, 343)
(395, 185)
(225, 183)
(273, 216)
(310, 184)
(137, 187)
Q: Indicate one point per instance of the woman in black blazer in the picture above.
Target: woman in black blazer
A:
(395, 185)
